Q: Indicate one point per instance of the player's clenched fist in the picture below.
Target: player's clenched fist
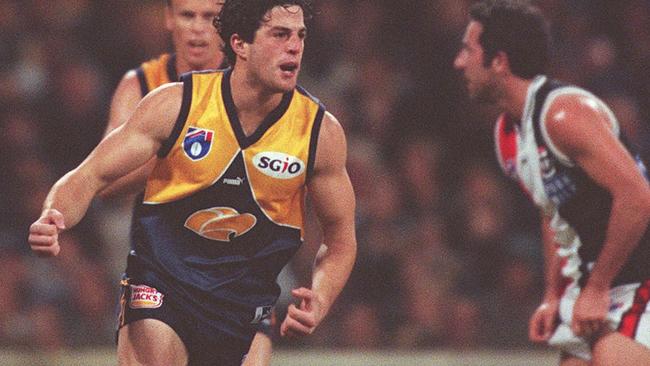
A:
(44, 233)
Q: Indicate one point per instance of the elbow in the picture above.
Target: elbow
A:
(108, 190)
(343, 249)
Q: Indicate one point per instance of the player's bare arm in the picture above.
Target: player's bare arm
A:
(124, 150)
(260, 352)
(583, 132)
(333, 198)
(542, 322)
(125, 100)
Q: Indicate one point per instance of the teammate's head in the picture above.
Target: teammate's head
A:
(502, 36)
(268, 35)
(196, 43)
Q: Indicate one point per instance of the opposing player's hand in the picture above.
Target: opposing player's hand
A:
(543, 321)
(303, 320)
(44, 233)
(590, 312)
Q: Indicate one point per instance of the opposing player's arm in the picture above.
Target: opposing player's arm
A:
(582, 131)
(125, 100)
(553, 280)
(333, 198)
(542, 322)
(124, 150)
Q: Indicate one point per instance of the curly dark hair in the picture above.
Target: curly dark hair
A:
(244, 17)
(517, 28)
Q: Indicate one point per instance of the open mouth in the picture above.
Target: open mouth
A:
(198, 44)
(289, 67)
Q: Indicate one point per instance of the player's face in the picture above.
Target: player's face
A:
(479, 79)
(196, 41)
(275, 55)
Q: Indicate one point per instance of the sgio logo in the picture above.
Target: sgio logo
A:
(278, 165)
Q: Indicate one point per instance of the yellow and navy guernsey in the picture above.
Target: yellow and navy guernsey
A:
(159, 71)
(224, 212)
(156, 72)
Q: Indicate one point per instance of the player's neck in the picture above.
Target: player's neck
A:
(514, 97)
(252, 100)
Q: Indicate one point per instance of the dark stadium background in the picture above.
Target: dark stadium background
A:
(449, 252)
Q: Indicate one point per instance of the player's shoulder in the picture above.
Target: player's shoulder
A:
(165, 98)
(128, 88)
(158, 110)
(130, 79)
(167, 91)
(332, 144)
(572, 102)
(203, 73)
(574, 118)
(308, 96)
(202, 78)
(331, 123)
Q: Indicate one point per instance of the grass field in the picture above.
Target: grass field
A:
(106, 357)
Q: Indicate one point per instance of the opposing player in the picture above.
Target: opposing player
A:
(223, 210)
(565, 148)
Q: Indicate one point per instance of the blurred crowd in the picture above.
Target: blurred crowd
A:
(449, 251)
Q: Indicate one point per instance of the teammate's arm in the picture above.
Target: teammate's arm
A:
(124, 150)
(331, 193)
(125, 100)
(542, 322)
(583, 132)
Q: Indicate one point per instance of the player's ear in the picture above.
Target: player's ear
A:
(500, 62)
(239, 46)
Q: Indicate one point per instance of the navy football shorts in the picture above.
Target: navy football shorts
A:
(205, 344)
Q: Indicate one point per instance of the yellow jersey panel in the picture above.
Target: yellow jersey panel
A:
(204, 149)
(208, 138)
(277, 163)
(156, 72)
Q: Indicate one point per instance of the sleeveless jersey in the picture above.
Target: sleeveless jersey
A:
(159, 71)
(156, 72)
(579, 208)
(224, 212)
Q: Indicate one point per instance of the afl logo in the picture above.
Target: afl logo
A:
(278, 165)
(197, 143)
(220, 223)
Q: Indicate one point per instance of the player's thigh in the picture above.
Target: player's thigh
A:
(616, 349)
(150, 342)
